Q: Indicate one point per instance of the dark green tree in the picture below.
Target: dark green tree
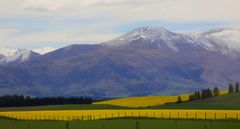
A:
(179, 99)
(209, 92)
(230, 88)
(204, 94)
(237, 87)
(216, 91)
(198, 95)
(191, 97)
(195, 96)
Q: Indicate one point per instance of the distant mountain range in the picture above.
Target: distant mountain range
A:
(145, 61)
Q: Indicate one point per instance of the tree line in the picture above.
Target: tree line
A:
(20, 100)
(206, 93)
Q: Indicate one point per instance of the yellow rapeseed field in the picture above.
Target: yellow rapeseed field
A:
(109, 114)
(222, 92)
(144, 101)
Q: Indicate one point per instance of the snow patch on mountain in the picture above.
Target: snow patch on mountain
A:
(224, 40)
(157, 35)
(44, 50)
(9, 55)
(149, 33)
(7, 51)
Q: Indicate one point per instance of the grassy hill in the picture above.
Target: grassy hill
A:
(225, 101)
(147, 101)
(64, 107)
(120, 124)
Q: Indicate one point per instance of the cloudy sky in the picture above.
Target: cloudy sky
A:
(57, 23)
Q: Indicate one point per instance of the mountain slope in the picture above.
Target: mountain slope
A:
(224, 40)
(146, 61)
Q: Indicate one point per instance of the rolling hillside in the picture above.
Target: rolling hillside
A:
(147, 101)
(225, 101)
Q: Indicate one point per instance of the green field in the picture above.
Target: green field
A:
(64, 107)
(222, 102)
(120, 124)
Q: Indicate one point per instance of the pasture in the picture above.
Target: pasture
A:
(120, 124)
(148, 101)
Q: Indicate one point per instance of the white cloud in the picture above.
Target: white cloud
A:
(7, 31)
(44, 4)
(60, 4)
(178, 10)
(50, 38)
(65, 19)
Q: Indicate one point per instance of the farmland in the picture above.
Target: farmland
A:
(143, 101)
(113, 114)
(65, 107)
(223, 102)
(205, 112)
(146, 101)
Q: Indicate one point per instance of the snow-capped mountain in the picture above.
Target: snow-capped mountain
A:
(224, 40)
(15, 56)
(151, 34)
(44, 50)
(145, 61)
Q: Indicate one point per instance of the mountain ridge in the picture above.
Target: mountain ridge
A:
(15, 56)
(164, 66)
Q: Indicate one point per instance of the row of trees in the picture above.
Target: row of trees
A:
(20, 100)
(233, 89)
(206, 93)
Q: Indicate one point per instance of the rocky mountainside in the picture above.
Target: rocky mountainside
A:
(145, 61)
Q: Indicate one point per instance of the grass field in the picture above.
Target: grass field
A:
(223, 102)
(65, 107)
(124, 113)
(120, 124)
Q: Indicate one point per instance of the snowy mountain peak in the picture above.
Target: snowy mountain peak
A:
(145, 33)
(224, 40)
(7, 51)
(148, 33)
(44, 50)
(10, 55)
(147, 30)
